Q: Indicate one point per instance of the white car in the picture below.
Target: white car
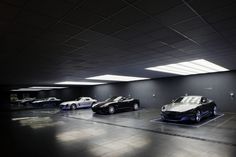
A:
(49, 100)
(82, 102)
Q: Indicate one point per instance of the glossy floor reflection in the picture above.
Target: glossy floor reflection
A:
(81, 133)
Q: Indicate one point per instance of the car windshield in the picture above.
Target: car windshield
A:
(178, 100)
(78, 99)
(189, 100)
(114, 98)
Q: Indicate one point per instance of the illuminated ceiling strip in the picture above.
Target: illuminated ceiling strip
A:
(45, 87)
(185, 68)
(210, 65)
(199, 66)
(25, 90)
(171, 70)
(109, 77)
(79, 83)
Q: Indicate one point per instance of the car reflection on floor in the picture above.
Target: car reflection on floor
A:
(37, 122)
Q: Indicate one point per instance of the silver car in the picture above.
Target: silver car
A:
(82, 102)
(186, 108)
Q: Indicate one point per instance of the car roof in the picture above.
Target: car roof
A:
(192, 96)
(86, 97)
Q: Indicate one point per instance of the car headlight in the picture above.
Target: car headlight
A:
(163, 108)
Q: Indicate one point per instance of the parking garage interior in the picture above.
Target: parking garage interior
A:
(67, 49)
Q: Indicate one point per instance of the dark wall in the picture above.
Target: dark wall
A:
(157, 92)
(216, 86)
(70, 93)
(4, 100)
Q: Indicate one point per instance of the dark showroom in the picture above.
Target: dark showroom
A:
(118, 78)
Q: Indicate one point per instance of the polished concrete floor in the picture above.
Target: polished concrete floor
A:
(51, 132)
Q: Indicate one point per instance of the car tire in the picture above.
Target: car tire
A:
(198, 116)
(111, 109)
(214, 111)
(73, 107)
(92, 104)
(136, 107)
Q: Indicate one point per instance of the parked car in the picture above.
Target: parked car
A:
(25, 101)
(186, 108)
(46, 101)
(81, 102)
(116, 103)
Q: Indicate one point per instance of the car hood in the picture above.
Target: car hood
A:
(103, 103)
(179, 107)
(69, 102)
(39, 101)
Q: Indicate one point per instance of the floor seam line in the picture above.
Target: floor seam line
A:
(155, 131)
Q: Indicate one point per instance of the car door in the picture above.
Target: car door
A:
(82, 102)
(123, 103)
(88, 102)
(209, 105)
(204, 106)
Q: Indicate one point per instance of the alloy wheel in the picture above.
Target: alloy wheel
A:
(198, 116)
(73, 107)
(136, 107)
(214, 111)
(111, 109)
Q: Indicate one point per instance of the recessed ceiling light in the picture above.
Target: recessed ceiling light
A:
(79, 83)
(109, 77)
(199, 66)
(45, 87)
(25, 90)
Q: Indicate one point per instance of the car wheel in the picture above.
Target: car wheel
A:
(111, 109)
(136, 107)
(73, 107)
(214, 111)
(92, 104)
(198, 116)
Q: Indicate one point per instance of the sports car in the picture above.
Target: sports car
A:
(116, 103)
(25, 101)
(81, 102)
(47, 101)
(189, 108)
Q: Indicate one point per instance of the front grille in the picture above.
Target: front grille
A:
(172, 115)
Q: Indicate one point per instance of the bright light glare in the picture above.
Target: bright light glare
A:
(45, 87)
(109, 77)
(25, 90)
(199, 66)
(79, 83)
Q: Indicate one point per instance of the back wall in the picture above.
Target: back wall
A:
(157, 92)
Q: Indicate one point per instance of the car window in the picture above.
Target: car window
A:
(52, 98)
(87, 99)
(178, 100)
(204, 100)
(118, 98)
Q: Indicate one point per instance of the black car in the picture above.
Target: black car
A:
(116, 103)
(186, 108)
